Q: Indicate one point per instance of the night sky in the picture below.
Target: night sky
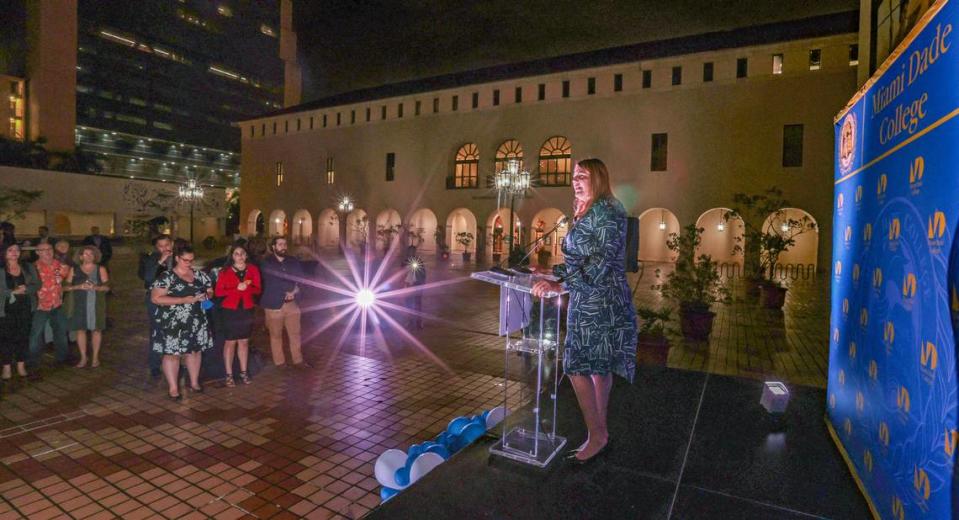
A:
(347, 45)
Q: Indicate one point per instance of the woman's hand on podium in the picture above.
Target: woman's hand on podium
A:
(544, 287)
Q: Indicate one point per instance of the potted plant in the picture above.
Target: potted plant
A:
(694, 284)
(465, 238)
(768, 231)
(386, 233)
(652, 346)
(442, 251)
(497, 237)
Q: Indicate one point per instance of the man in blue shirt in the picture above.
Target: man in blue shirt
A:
(279, 301)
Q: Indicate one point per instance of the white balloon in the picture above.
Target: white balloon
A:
(386, 465)
(495, 416)
(423, 465)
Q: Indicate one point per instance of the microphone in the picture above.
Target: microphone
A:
(498, 268)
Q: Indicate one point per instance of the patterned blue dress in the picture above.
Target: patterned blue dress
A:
(601, 319)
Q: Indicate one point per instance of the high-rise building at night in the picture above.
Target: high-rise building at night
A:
(158, 82)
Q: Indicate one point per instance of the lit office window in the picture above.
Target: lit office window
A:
(278, 169)
(777, 63)
(510, 149)
(555, 162)
(330, 173)
(466, 167)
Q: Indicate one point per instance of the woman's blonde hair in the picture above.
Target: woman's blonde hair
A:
(598, 181)
(78, 255)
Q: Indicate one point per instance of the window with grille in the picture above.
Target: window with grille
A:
(555, 162)
(330, 172)
(510, 149)
(466, 168)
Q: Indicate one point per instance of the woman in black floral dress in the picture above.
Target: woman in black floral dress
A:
(180, 323)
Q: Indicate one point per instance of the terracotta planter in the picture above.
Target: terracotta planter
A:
(652, 349)
(772, 296)
(696, 325)
(752, 287)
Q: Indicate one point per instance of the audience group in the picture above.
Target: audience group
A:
(48, 296)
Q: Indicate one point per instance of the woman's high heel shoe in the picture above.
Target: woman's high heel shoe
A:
(601, 453)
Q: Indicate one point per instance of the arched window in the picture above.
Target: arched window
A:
(466, 173)
(510, 149)
(555, 166)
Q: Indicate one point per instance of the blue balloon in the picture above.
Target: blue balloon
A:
(472, 432)
(457, 424)
(443, 439)
(485, 414)
(440, 450)
(414, 451)
(388, 493)
(402, 475)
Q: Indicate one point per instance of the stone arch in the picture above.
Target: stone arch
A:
(278, 223)
(720, 238)
(460, 220)
(499, 219)
(655, 226)
(421, 229)
(804, 252)
(544, 221)
(357, 228)
(255, 223)
(328, 229)
(389, 226)
(302, 227)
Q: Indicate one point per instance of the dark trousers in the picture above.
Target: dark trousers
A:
(414, 302)
(57, 318)
(154, 359)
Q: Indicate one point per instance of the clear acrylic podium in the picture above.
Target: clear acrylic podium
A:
(532, 438)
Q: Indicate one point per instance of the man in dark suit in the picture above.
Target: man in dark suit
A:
(151, 267)
(102, 243)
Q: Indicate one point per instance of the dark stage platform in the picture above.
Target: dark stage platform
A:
(686, 445)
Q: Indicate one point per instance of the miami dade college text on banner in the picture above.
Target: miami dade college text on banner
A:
(892, 363)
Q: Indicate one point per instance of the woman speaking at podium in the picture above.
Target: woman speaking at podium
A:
(601, 320)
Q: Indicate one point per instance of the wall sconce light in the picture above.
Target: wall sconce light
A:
(784, 227)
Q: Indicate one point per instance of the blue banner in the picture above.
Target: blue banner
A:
(892, 364)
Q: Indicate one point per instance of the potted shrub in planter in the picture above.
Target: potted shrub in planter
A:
(386, 233)
(652, 346)
(768, 232)
(465, 238)
(694, 284)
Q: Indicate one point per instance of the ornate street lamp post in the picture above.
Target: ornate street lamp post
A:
(512, 181)
(192, 192)
(344, 208)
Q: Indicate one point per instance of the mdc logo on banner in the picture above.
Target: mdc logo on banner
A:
(858, 194)
(895, 230)
(935, 230)
(881, 186)
(903, 403)
(951, 440)
(867, 233)
(920, 481)
(877, 277)
(863, 318)
(928, 360)
(898, 511)
(873, 370)
(848, 234)
(916, 170)
(860, 402)
(855, 273)
(909, 286)
(889, 336)
(852, 350)
(867, 461)
(883, 433)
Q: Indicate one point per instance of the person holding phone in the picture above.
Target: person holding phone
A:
(238, 284)
(18, 301)
(180, 326)
(87, 311)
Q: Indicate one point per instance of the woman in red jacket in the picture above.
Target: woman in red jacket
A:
(237, 283)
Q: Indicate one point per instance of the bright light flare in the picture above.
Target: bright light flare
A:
(365, 298)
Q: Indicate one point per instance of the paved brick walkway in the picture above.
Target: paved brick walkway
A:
(104, 443)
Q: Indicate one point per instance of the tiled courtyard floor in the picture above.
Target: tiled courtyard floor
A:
(104, 443)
